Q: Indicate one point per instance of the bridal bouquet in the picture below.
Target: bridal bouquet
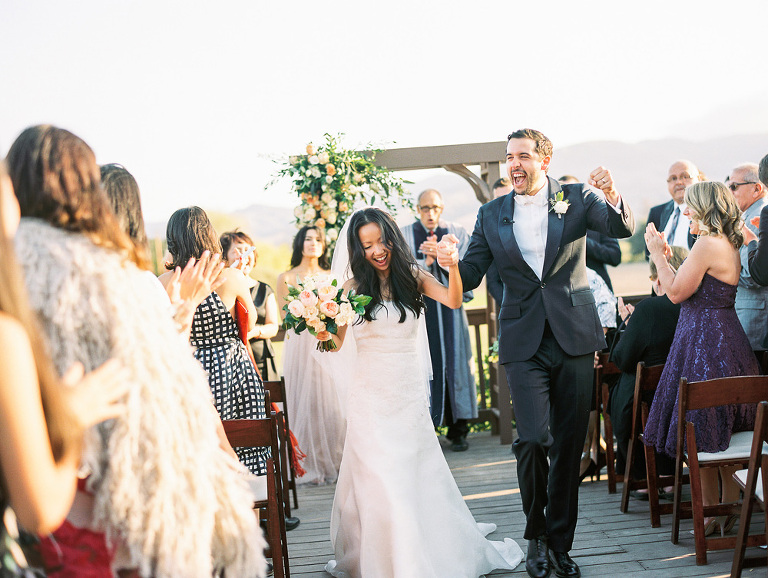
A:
(319, 306)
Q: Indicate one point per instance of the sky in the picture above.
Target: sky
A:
(197, 98)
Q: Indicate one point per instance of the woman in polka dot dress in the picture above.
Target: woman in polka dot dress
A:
(236, 387)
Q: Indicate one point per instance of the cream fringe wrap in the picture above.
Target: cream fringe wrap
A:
(162, 484)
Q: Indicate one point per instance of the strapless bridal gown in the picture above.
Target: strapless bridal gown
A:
(397, 512)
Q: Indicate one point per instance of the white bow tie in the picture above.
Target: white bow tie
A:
(537, 200)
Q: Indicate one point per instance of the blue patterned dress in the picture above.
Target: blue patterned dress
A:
(235, 385)
(709, 343)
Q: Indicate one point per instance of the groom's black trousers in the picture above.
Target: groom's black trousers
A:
(551, 394)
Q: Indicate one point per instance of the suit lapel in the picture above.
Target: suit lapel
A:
(554, 230)
(666, 213)
(507, 234)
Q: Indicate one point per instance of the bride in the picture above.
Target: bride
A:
(397, 511)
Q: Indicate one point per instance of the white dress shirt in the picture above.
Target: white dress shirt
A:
(530, 227)
(678, 237)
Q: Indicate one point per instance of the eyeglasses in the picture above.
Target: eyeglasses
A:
(433, 209)
(733, 186)
(683, 177)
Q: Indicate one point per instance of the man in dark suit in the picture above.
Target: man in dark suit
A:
(668, 217)
(549, 330)
(602, 250)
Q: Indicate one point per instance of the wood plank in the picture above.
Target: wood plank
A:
(607, 543)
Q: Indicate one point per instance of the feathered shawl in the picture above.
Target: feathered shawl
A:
(162, 485)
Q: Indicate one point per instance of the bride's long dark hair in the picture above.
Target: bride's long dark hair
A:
(403, 286)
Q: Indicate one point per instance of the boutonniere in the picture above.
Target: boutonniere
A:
(559, 205)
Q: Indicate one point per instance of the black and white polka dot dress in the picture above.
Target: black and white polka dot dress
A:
(236, 387)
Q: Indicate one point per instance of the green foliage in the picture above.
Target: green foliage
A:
(329, 180)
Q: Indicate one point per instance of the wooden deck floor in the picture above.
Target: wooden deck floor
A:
(608, 543)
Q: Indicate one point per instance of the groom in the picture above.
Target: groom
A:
(549, 330)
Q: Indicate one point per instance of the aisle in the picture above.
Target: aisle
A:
(608, 543)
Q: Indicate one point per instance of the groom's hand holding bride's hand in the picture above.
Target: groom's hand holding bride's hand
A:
(448, 251)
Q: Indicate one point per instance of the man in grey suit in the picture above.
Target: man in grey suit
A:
(549, 330)
(751, 298)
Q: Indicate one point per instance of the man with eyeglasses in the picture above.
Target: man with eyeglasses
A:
(454, 392)
(751, 298)
(668, 217)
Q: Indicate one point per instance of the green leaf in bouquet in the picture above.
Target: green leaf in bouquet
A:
(301, 326)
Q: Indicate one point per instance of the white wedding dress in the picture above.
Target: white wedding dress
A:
(397, 512)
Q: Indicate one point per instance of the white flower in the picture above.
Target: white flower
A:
(561, 207)
(332, 203)
(298, 212)
(346, 314)
(315, 172)
(310, 313)
(323, 158)
(328, 179)
(313, 160)
(326, 198)
(357, 177)
(309, 214)
(374, 186)
(332, 234)
(293, 160)
(331, 217)
(296, 308)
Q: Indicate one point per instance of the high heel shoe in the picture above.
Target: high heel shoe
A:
(710, 527)
(591, 471)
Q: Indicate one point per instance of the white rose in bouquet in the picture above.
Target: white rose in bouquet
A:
(315, 172)
(323, 157)
(296, 308)
(309, 214)
(332, 234)
(313, 160)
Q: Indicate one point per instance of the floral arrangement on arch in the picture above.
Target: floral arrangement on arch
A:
(330, 180)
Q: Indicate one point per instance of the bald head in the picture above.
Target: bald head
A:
(745, 185)
(430, 208)
(681, 174)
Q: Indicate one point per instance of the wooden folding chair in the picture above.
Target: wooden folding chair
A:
(276, 391)
(755, 486)
(263, 433)
(604, 368)
(702, 395)
(646, 381)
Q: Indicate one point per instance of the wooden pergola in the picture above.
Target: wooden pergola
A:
(455, 159)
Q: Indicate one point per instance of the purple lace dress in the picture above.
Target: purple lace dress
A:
(709, 343)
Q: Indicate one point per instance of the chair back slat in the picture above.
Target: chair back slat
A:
(723, 391)
(647, 376)
(275, 389)
(248, 433)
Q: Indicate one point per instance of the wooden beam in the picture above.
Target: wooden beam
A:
(439, 156)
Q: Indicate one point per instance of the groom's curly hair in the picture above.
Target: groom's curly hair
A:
(403, 286)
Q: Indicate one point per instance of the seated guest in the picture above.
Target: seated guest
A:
(606, 311)
(650, 329)
(234, 246)
(159, 482)
(709, 341)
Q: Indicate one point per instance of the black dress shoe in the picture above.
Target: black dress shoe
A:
(563, 565)
(459, 444)
(291, 523)
(537, 560)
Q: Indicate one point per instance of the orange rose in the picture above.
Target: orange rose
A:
(323, 335)
(320, 223)
(330, 169)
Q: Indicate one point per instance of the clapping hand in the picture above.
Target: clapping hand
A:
(197, 280)
(655, 241)
(448, 251)
(749, 235)
(97, 396)
(429, 249)
(625, 310)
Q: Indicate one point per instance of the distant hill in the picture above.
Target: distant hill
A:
(640, 170)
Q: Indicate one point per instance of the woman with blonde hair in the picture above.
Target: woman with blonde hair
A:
(709, 341)
(159, 482)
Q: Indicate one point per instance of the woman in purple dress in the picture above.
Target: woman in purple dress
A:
(709, 341)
